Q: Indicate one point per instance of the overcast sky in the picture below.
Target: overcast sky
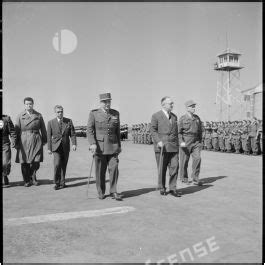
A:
(139, 52)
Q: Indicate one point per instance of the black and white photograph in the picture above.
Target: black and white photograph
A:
(132, 132)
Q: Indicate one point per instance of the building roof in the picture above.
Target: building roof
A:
(229, 51)
(256, 89)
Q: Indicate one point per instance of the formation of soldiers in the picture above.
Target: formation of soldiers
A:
(81, 131)
(141, 133)
(243, 136)
(240, 137)
(124, 132)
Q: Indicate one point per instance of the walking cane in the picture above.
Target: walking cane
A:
(160, 162)
(89, 177)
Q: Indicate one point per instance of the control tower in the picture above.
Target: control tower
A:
(229, 99)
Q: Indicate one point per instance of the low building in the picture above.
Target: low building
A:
(253, 101)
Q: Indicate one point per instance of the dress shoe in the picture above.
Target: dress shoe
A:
(63, 186)
(175, 193)
(101, 197)
(56, 187)
(27, 184)
(116, 196)
(197, 182)
(163, 192)
(35, 183)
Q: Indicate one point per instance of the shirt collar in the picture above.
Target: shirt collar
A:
(166, 113)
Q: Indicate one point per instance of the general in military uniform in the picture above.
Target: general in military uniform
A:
(103, 132)
(8, 131)
(190, 138)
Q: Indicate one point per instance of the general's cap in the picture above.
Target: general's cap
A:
(190, 103)
(105, 96)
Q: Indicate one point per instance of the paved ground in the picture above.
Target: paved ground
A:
(218, 222)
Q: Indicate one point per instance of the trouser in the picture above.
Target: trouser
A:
(228, 145)
(101, 164)
(60, 160)
(238, 145)
(246, 145)
(169, 160)
(221, 143)
(215, 143)
(193, 150)
(6, 159)
(254, 145)
(29, 171)
(208, 142)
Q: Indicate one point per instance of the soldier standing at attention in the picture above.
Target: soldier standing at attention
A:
(245, 138)
(208, 141)
(7, 132)
(103, 132)
(220, 133)
(215, 137)
(259, 136)
(252, 136)
(190, 138)
(228, 137)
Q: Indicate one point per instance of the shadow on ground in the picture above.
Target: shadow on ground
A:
(50, 182)
(185, 190)
(133, 193)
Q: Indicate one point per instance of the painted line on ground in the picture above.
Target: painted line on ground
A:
(66, 216)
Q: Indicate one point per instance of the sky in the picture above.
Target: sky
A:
(139, 52)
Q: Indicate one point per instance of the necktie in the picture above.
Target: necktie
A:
(60, 124)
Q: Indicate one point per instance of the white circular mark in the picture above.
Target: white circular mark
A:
(1, 124)
(64, 41)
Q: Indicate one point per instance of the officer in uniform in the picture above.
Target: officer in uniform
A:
(7, 130)
(103, 132)
(190, 137)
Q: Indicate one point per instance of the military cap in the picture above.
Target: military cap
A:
(105, 96)
(190, 103)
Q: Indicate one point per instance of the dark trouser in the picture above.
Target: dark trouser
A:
(60, 163)
(101, 164)
(170, 160)
(29, 171)
(254, 145)
(193, 149)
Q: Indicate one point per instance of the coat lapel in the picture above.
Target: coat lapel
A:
(164, 117)
(56, 125)
(30, 118)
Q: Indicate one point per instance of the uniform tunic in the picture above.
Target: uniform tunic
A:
(190, 132)
(103, 130)
(32, 135)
